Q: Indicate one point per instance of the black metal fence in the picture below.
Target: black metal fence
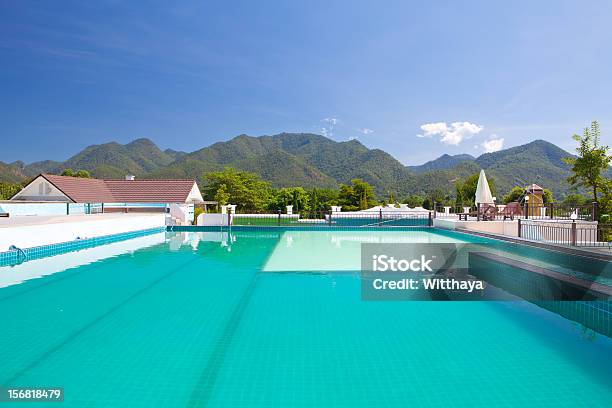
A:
(574, 233)
(325, 219)
(537, 211)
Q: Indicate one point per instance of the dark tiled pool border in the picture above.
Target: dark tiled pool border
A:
(323, 228)
(17, 256)
(529, 282)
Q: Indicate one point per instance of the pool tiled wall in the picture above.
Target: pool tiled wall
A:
(590, 308)
(18, 256)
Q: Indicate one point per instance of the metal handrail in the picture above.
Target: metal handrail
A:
(20, 251)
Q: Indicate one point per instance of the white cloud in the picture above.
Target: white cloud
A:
(331, 121)
(431, 129)
(328, 129)
(453, 134)
(494, 144)
(366, 131)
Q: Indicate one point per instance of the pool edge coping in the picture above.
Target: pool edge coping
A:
(12, 257)
(542, 245)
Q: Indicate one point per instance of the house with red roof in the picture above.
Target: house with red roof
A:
(49, 187)
(113, 195)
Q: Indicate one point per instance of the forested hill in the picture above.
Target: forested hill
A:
(310, 160)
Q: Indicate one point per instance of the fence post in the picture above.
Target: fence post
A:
(102, 208)
(519, 227)
(552, 210)
(573, 232)
(67, 208)
(477, 211)
(598, 233)
(330, 217)
(526, 205)
(434, 209)
(595, 209)
(229, 216)
(380, 216)
(430, 222)
(279, 218)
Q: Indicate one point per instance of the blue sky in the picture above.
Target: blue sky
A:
(416, 79)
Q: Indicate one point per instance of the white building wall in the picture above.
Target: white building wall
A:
(41, 190)
(194, 195)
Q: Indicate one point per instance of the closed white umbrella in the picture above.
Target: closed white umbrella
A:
(483, 192)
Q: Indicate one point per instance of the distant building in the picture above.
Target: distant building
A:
(129, 195)
(534, 196)
(49, 187)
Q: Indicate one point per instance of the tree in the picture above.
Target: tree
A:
(592, 161)
(221, 196)
(196, 212)
(439, 197)
(517, 193)
(7, 190)
(358, 196)
(514, 195)
(574, 201)
(321, 199)
(414, 201)
(79, 173)
(247, 190)
(82, 174)
(605, 206)
(295, 196)
(547, 196)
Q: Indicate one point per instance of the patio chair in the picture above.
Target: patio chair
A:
(488, 212)
(463, 216)
(511, 210)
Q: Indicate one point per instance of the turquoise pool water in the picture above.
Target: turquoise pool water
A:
(257, 319)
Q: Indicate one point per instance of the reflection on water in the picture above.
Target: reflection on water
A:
(337, 250)
(12, 275)
(177, 240)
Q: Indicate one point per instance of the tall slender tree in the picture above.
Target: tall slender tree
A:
(592, 162)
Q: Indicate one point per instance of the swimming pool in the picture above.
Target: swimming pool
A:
(274, 318)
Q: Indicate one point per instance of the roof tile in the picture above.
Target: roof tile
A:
(83, 190)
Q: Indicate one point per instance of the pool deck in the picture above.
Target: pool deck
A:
(507, 227)
(32, 231)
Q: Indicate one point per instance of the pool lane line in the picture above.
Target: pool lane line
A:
(92, 323)
(202, 391)
(58, 277)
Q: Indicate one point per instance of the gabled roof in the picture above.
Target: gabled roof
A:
(81, 190)
(534, 187)
(84, 190)
(150, 191)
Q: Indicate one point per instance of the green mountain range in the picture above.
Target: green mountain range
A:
(309, 160)
(443, 162)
